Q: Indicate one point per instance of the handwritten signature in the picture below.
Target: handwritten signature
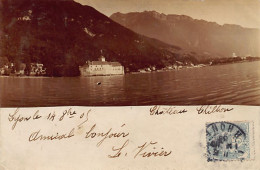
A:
(147, 150)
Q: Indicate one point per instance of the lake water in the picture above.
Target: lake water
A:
(237, 83)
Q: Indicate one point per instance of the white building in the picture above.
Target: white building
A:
(101, 68)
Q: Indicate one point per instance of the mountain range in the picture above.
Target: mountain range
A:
(193, 34)
(64, 35)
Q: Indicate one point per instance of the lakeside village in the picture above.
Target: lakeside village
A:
(105, 68)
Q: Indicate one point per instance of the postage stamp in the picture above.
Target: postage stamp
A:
(228, 141)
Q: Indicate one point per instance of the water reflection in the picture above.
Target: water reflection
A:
(226, 84)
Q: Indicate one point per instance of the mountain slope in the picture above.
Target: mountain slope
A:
(196, 35)
(64, 34)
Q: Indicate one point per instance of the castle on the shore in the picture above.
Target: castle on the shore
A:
(101, 68)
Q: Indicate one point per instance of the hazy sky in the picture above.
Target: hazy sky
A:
(241, 12)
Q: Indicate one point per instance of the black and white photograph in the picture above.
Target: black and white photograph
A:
(129, 84)
(129, 52)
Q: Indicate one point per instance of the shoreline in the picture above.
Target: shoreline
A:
(139, 72)
(192, 67)
(14, 76)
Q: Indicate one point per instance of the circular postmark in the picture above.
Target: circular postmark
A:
(227, 141)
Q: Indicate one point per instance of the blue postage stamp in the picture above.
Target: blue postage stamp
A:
(228, 141)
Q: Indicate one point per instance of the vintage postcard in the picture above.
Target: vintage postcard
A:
(147, 137)
(127, 84)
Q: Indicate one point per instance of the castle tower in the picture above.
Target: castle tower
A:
(102, 58)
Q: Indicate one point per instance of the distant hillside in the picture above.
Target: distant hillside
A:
(64, 34)
(191, 34)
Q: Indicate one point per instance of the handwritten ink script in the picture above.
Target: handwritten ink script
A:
(117, 137)
(146, 150)
(204, 109)
(213, 109)
(67, 124)
(158, 110)
(146, 137)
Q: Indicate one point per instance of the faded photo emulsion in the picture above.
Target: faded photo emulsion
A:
(129, 53)
(126, 84)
